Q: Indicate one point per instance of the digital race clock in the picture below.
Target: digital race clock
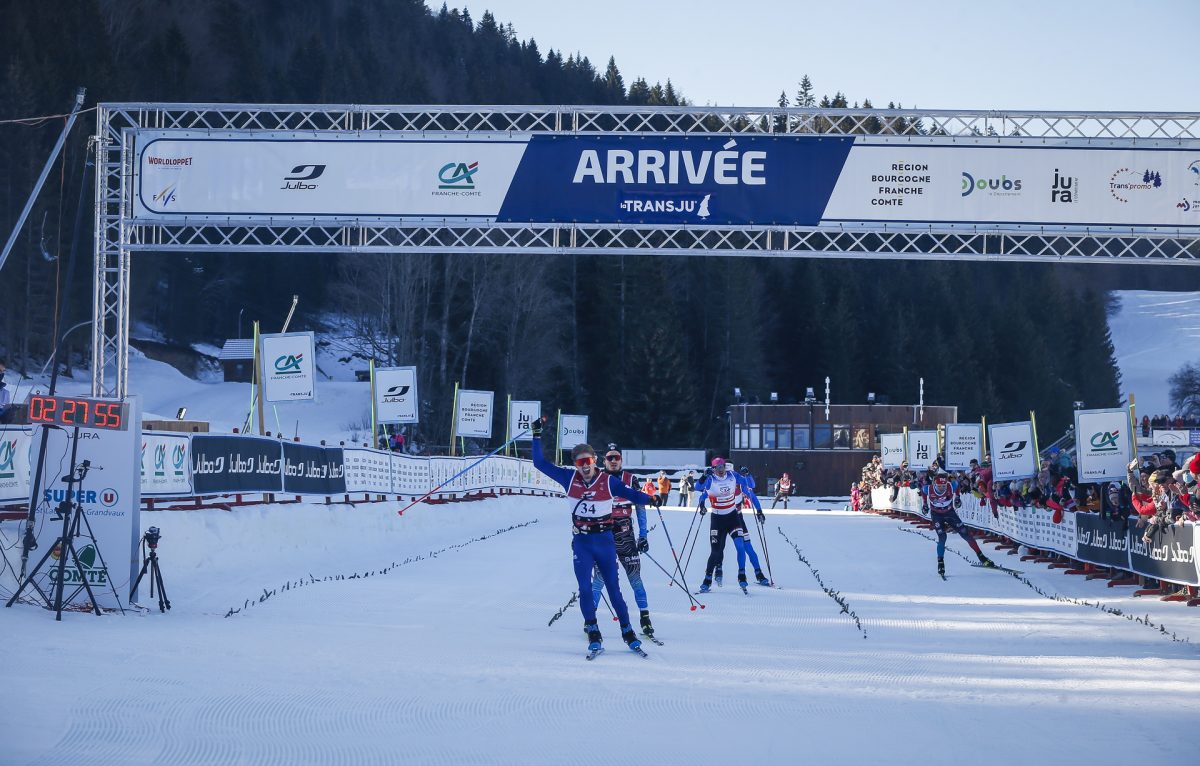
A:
(104, 414)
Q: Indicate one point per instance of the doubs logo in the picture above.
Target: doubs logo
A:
(1105, 441)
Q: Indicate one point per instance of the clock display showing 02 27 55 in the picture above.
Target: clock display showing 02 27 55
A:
(103, 414)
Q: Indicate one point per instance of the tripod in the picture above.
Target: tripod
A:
(150, 563)
(72, 514)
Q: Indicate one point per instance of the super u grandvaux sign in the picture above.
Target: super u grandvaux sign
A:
(698, 179)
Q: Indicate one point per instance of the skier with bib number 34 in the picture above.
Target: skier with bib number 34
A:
(591, 492)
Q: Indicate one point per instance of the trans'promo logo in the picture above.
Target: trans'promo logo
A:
(289, 364)
(1105, 441)
(995, 187)
(8, 456)
(458, 175)
(1126, 183)
(298, 179)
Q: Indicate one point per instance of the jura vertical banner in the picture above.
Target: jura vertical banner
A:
(1014, 455)
(288, 362)
(520, 417)
(891, 450)
(474, 416)
(396, 395)
(1103, 444)
(572, 430)
(922, 449)
(964, 443)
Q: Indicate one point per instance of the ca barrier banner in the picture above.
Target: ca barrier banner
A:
(1170, 554)
(1101, 541)
(1104, 444)
(15, 444)
(520, 418)
(288, 361)
(166, 464)
(396, 395)
(1014, 453)
(964, 443)
(922, 449)
(891, 450)
(312, 470)
(229, 464)
(572, 430)
(941, 182)
(474, 416)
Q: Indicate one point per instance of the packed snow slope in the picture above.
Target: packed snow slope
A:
(447, 657)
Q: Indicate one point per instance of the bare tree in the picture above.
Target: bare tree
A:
(1185, 391)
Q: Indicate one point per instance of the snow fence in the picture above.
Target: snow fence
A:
(1084, 537)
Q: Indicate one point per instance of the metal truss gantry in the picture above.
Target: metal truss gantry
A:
(118, 234)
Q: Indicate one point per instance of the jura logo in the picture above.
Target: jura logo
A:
(674, 167)
(300, 175)
(1064, 188)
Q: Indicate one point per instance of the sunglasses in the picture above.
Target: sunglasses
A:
(585, 460)
(612, 458)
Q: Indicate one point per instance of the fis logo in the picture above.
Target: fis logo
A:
(1105, 441)
(166, 196)
(458, 175)
(301, 175)
(289, 364)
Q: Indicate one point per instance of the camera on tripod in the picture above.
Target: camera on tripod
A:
(151, 537)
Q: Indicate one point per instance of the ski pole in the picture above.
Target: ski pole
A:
(762, 538)
(663, 521)
(682, 548)
(693, 550)
(681, 585)
(605, 600)
(460, 473)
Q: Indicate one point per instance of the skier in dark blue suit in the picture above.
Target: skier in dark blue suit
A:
(590, 492)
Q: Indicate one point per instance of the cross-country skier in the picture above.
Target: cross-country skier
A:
(724, 489)
(627, 547)
(783, 488)
(591, 492)
(943, 499)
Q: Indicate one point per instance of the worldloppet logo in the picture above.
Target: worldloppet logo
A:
(289, 364)
(1105, 441)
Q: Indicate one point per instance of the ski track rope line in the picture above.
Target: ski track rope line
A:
(833, 594)
(310, 580)
(1055, 596)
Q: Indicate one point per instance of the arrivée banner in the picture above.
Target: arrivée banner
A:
(964, 443)
(891, 450)
(870, 182)
(1104, 444)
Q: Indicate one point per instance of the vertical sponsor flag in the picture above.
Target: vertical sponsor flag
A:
(521, 416)
(1103, 444)
(14, 463)
(474, 415)
(572, 430)
(964, 443)
(922, 449)
(288, 362)
(1014, 450)
(891, 449)
(396, 395)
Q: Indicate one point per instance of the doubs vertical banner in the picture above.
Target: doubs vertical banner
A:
(396, 395)
(1103, 444)
(891, 450)
(288, 361)
(572, 430)
(521, 416)
(922, 449)
(964, 443)
(474, 417)
(1013, 453)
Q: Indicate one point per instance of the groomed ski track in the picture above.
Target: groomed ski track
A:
(449, 660)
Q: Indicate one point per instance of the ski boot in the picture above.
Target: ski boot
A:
(647, 628)
(762, 579)
(719, 576)
(631, 638)
(706, 586)
(942, 567)
(986, 563)
(595, 640)
(742, 578)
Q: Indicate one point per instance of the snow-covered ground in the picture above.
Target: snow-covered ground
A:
(1154, 334)
(448, 658)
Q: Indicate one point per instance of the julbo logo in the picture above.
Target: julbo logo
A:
(289, 364)
(300, 174)
(1105, 441)
(396, 391)
(1012, 448)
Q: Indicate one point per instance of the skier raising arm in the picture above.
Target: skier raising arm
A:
(591, 492)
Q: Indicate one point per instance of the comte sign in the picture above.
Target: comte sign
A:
(790, 180)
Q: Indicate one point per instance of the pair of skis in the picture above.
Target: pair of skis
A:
(594, 653)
